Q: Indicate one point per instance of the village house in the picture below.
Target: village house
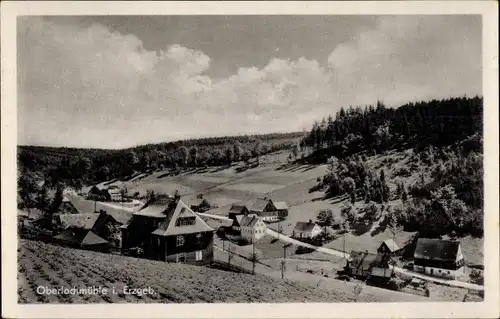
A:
(168, 230)
(101, 224)
(99, 192)
(248, 227)
(282, 209)
(22, 217)
(115, 194)
(265, 209)
(66, 207)
(200, 205)
(388, 247)
(237, 210)
(438, 257)
(365, 265)
(306, 230)
(81, 238)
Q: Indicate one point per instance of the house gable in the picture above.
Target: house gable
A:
(171, 228)
(270, 207)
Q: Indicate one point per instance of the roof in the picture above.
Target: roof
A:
(247, 221)
(260, 204)
(169, 227)
(101, 186)
(152, 211)
(436, 249)
(105, 218)
(239, 209)
(155, 208)
(391, 244)
(84, 221)
(66, 207)
(120, 216)
(363, 259)
(280, 205)
(76, 235)
(304, 227)
(199, 201)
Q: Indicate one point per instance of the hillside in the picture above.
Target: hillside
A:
(54, 266)
(77, 167)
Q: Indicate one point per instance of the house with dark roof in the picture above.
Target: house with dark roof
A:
(438, 257)
(265, 209)
(66, 207)
(237, 210)
(365, 265)
(101, 224)
(282, 209)
(99, 192)
(306, 230)
(248, 227)
(168, 230)
(82, 238)
(388, 246)
(200, 205)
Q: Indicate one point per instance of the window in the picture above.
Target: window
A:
(180, 241)
(181, 257)
(199, 255)
(185, 221)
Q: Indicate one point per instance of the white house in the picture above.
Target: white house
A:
(306, 230)
(115, 194)
(439, 258)
(249, 227)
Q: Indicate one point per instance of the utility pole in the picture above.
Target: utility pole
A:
(229, 256)
(283, 262)
(254, 257)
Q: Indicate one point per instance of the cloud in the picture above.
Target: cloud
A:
(93, 87)
(411, 57)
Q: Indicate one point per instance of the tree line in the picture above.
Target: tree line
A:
(77, 167)
(379, 128)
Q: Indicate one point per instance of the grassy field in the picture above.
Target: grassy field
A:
(47, 265)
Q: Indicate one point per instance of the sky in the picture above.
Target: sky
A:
(117, 82)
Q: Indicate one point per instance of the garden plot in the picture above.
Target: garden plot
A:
(257, 188)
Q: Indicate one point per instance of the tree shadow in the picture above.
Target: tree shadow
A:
(241, 169)
(382, 226)
(362, 225)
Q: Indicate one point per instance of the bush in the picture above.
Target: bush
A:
(476, 277)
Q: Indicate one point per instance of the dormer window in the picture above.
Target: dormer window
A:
(185, 221)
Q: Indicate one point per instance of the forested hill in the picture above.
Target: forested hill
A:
(77, 165)
(440, 185)
(378, 128)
